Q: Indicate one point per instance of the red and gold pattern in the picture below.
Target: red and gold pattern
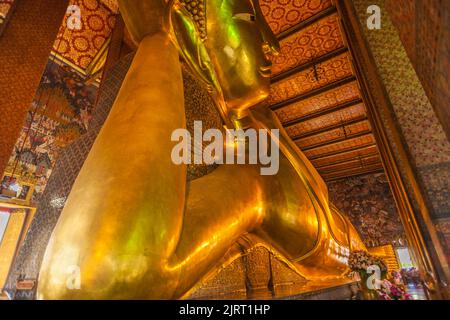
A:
(308, 44)
(334, 135)
(368, 161)
(319, 103)
(284, 14)
(111, 5)
(334, 118)
(80, 47)
(345, 156)
(345, 145)
(329, 71)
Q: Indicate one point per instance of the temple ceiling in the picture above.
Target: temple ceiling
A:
(315, 92)
(85, 49)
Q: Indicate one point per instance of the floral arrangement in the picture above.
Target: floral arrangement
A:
(392, 291)
(359, 261)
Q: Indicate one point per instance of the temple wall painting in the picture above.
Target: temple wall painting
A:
(26, 43)
(59, 114)
(368, 202)
(63, 102)
(424, 28)
(70, 160)
(424, 136)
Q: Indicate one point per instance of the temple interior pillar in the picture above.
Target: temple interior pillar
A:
(25, 45)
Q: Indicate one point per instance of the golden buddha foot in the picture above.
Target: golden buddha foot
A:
(132, 228)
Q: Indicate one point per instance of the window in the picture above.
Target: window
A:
(404, 258)
(4, 217)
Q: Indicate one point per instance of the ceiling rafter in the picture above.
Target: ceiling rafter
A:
(333, 153)
(333, 141)
(312, 133)
(314, 92)
(360, 162)
(323, 134)
(370, 155)
(323, 112)
(352, 173)
(318, 16)
(309, 64)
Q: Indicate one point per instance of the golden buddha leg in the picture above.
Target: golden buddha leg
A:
(124, 214)
(220, 208)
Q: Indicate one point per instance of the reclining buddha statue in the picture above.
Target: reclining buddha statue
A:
(133, 227)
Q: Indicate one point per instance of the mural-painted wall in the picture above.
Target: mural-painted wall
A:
(424, 136)
(62, 108)
(368, 202)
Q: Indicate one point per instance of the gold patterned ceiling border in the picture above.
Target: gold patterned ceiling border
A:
(282, 15)
(112, 5)
(367, 151)
(328, 121)
(310, 43)
(319, 75)
(324, 102)
(93, 68)
(85, 30)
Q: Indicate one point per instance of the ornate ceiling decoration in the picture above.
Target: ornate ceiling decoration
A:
(308, 44)
(111, 5)
(315, 92)
(352, 113)
(315, 77)
(284, 14)
(85, 48)
(319, 103)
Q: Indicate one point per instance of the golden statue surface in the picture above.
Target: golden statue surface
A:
(159, 236)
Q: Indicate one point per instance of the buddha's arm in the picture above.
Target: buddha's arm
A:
(298, 160)
(337, 233)
(220, 208)
(125, 210)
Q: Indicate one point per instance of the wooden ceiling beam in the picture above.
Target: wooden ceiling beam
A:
(314, 92)
(323, 112)
(370, 166)
(305, 23)
(347, 174)
(351, 164)
(334, 153)
(329, 128)
(310, 64)
(330, 142)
